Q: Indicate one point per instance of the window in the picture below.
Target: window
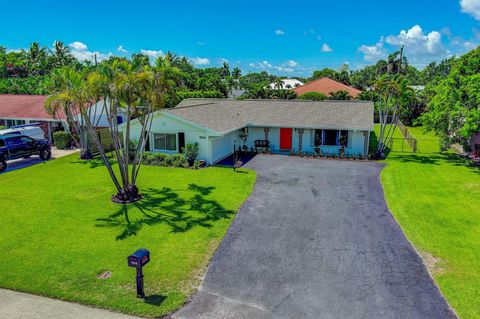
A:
(164, 141)
(13, 141)
(343, 139)
(330, 137)
(26, 139)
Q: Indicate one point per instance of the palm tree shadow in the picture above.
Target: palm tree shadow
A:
(165, 206)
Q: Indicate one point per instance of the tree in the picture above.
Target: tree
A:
(61, 55)
(236, 73)
(393, 92)
(339, 95)
(313, 96)
(69, 99)
(453, 110)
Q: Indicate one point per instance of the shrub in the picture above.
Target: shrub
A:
(62, 140)
(190, 151)
(313, 96)
(161, 159)
(132, 149)
(197, 164)
(2, 127)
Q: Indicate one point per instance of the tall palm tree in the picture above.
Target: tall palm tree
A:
(61, 54)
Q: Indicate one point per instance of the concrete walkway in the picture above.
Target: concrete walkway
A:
(16, 305)
(316, 240)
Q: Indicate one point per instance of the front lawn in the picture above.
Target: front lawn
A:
(60, 232)
(435, 197)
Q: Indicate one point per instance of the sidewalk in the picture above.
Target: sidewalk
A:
(17, 305)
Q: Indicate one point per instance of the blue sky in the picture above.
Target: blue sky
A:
(282, 37)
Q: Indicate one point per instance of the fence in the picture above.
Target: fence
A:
(412, 141)
(422, 145)
(106, 140)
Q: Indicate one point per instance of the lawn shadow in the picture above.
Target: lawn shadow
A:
(166, 206)
(155, 300)
(436, 159)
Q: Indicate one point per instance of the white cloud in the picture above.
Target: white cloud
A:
(200, 61)
(80, 51)
(201, 43)
(417, 42)
(283, 69)
(153, 54)
(265, 64)
(326, 48)
(291, 64)
(373, 53)
(252, 65)
(421, 47)
(79, 46)
(471, 7)
(279, 32)
(121, 49)
(222, 60)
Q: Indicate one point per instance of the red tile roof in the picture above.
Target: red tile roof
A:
(24, 107)
(325, 86)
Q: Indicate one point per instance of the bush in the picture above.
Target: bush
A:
(62, 140)
(190, 151)
(160, 159)
(313, 96)
(2, 127)
(132, 149)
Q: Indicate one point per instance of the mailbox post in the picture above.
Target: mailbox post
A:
(139, 259)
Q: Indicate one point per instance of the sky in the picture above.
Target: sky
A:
(290, 38)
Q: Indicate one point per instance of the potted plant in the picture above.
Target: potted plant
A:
(343, 143)
(190, 151)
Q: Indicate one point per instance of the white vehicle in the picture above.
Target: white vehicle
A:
(32, 131)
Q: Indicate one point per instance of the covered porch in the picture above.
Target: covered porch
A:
(302, 141)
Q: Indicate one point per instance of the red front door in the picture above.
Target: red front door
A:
(285, 138)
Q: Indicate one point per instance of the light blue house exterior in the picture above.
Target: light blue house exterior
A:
(219, 126)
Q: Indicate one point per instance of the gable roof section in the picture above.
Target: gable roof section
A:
(24, 107)
(326, 86)
(225, 115)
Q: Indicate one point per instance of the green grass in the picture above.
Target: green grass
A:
(427, 142)
(435, 197)
(398, 144)
(59, 230)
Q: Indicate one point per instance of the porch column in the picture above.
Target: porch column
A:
(300, 139)
(266, 130)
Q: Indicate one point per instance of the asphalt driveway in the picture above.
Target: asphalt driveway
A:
(316, 240)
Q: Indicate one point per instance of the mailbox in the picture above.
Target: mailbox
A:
(139, 259)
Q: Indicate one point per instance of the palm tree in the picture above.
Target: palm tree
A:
(70, 100)
(236, 73)
(37, 59)
(61, 54)
(340, 95)
(393, 94)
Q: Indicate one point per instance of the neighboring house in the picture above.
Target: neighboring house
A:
(218, 124)
(326, 86)
(23, 109)
(287, 84)
(234, 93)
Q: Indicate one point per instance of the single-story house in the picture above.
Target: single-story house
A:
(24, 109)
(219, 126)
(326, 86)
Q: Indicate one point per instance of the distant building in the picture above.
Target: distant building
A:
(287, 84)
(326, 86)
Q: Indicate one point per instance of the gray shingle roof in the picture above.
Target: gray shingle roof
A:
(225, 115)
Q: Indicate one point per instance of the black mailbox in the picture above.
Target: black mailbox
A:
(139, 259)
